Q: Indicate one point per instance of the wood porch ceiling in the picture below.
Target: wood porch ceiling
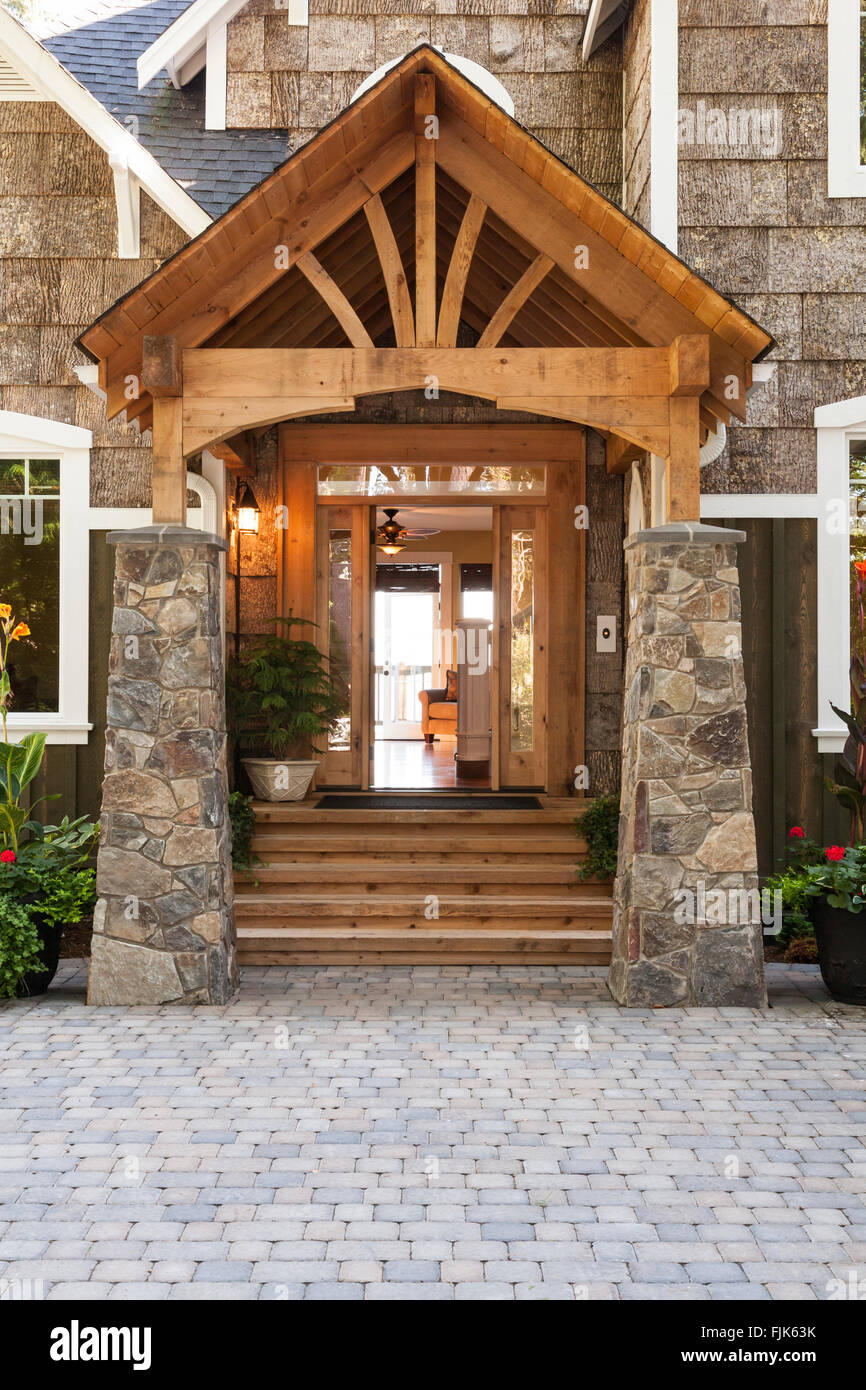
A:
(503, 268)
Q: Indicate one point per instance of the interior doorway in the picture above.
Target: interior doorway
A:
(513, 606)
(422, 641)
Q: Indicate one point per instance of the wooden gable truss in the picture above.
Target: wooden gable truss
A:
(425, 239)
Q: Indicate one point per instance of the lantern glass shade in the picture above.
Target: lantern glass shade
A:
(248, 511)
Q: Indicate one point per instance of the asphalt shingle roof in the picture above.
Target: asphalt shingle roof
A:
(100, 41)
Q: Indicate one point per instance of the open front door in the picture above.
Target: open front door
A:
(343, 616)
(520, 646)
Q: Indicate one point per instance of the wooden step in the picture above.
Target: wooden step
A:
(426, 945)
(356, 887)
(470, 911)
(362, 877)
(307, 814)
(489, 849)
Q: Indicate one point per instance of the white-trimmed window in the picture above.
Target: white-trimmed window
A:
(44, 572)
(846, 99)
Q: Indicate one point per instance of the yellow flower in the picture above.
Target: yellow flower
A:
(22, 630)
(5, 610)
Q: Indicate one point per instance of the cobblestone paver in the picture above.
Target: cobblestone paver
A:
(433, 1133)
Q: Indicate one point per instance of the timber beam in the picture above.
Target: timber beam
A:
(161, 366)
(621, 453)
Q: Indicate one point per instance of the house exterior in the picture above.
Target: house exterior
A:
(248, 241)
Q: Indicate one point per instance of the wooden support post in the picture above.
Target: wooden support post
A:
(426, 136)
(296, 583)
(169, 466)
(683, 465)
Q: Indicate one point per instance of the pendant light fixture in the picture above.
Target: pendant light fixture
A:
(390, 534)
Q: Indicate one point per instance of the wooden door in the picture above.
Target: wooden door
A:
(343, 615)
(520, 646)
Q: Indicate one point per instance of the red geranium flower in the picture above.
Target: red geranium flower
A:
(796, 832)
(860, 567)
(7, 856)
(834, 853)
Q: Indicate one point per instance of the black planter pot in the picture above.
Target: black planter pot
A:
(841, 938)
(37, 981)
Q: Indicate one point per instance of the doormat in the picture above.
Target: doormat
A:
(438, 801)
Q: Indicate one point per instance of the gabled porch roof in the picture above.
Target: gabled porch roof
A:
(424, 217)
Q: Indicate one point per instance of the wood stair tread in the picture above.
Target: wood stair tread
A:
(352, 870)
(418, 933)
(444, 900)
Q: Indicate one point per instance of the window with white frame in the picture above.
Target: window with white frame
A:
(846, 98)
(44, 572)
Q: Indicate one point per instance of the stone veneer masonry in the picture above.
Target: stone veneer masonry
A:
(686, 810)
(164, 925)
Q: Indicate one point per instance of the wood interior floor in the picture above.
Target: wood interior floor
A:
(414, 764)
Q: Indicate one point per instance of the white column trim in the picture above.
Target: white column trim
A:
(664, 124)
(203, 518)
(214, 473)
(846, 176)
(836, 426)
(127, 198)
(216, 78)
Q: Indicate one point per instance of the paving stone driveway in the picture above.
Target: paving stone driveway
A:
(433, 1134)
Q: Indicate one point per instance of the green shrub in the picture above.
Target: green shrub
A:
(46, 882)
(796, 903)
(20, 944)
(243, 819)
(599, 827)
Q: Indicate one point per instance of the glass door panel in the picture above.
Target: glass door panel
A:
(520, 684)
(343, 617)
(403, 661)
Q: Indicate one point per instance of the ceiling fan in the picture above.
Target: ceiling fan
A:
(390, 536)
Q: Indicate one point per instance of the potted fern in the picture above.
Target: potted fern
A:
(283, 700)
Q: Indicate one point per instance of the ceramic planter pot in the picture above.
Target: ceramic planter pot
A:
(37, 981)
(841, 938)
(273, 780)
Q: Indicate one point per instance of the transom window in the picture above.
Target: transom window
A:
(429, 480)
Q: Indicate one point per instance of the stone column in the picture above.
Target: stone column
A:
(164, 927)
(686, 927)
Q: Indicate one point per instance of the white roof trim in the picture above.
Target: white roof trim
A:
(185, 39)
(476, 74)
(604, 17)
(55, 83)
(842, 414)
(49, 434)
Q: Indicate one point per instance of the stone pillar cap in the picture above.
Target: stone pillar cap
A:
(166, 533)
(685, 533)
